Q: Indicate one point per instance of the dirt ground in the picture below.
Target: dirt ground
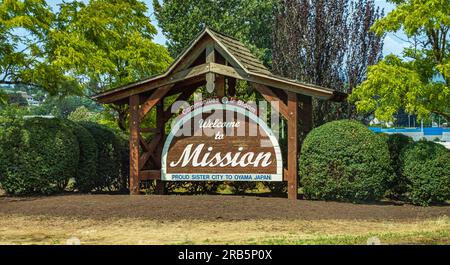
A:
(123, 219)
(210, 208)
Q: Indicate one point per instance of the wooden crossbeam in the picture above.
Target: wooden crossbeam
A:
(270, 96)
(143, 143)
(182, 97)
(281, 94)
(156, 96)
(182, 86)
(151, 148)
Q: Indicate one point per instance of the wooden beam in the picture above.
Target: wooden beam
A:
(210, 77)
(281, 94)
(292, 145)
(270, 97)
(191, 57)
(143, 144)
(161, 124)
(156, 97)
(220, 85)
(182, 97)
(190, 73)
(231, 60)
(182, 86)
(151, 147)
(270, 81)
(134, 144)
(150, 174)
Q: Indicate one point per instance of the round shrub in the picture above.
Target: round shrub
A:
(396, 143)
(38, 157)
(426, 167)
(109, 157)
(87, 162)
(344, 160)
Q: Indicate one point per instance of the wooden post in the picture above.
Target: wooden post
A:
(160, 124)
(134, 144)
(210, 77)
(292, 145)
(220, 86)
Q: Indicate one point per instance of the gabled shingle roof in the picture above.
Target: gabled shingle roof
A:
(241, 56)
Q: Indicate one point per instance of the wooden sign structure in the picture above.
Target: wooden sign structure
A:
(221, 142)
(216, 61)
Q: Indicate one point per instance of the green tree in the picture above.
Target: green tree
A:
(24, 58)
(107, 44)
(61, 107)
(3, 98)
(82, 114)
(250, 21)
(17, 99)
(419, 82)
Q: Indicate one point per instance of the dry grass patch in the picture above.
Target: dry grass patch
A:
(16, 229)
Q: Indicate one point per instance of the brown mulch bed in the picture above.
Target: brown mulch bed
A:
(209, 207)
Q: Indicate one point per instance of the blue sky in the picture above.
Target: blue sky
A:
(393, 43)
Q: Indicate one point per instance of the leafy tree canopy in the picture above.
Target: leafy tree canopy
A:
(418, 83)
(107, 43)
(82, 48)
(250, 21)
(24, 59)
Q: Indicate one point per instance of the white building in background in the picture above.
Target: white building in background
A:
(29, 98)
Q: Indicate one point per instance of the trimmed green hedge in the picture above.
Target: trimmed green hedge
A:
(87, 162)
(344, 160)
(426, 166)
(109, 157)
(40, 156)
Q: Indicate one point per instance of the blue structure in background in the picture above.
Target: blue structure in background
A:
(429, 133)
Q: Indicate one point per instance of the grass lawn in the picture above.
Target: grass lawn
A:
(16, 229)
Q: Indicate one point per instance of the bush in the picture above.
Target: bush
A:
(279, 188)
(122, 183)
(344, 160)
(396, 143)
(426, 167)
(109, 157)
(37, 157)
(241, 187)
(87, 161)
